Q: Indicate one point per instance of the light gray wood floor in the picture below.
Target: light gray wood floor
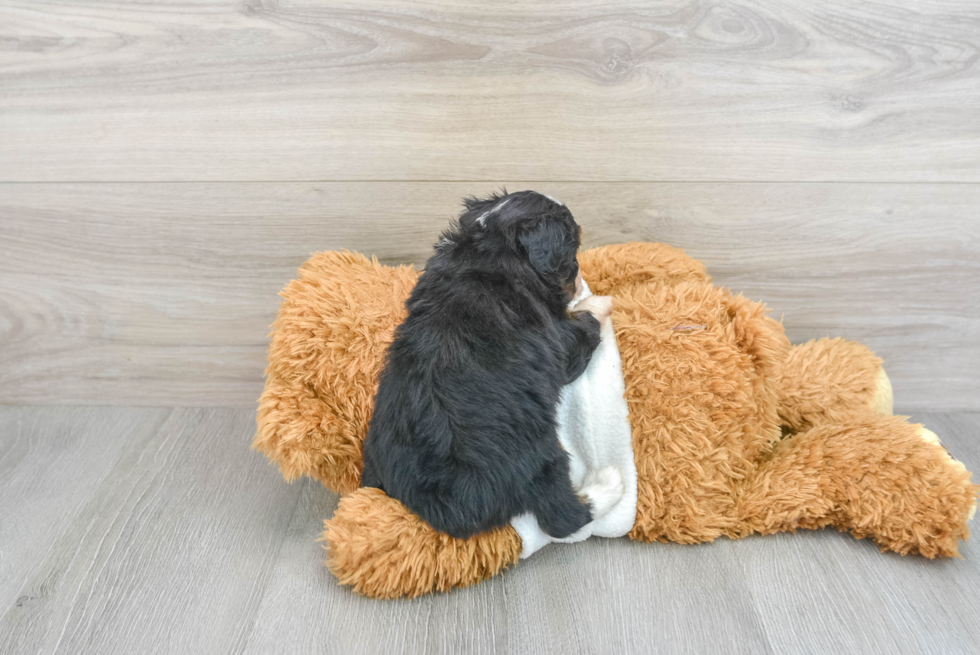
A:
(128, 530)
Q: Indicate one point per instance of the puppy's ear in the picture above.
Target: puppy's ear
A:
(544, 243)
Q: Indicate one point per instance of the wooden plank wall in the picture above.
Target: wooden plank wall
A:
(165, 168)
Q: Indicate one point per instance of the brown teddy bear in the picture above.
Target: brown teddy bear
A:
(734, 431)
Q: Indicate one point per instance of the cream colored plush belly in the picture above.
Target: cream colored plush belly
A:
(593, 427)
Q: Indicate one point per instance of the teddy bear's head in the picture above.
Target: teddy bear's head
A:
(327, 347)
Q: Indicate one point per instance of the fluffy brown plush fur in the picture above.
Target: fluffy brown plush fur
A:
(327, 344)
(735, 431)
(390, 552)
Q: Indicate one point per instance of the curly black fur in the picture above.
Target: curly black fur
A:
(464, 430)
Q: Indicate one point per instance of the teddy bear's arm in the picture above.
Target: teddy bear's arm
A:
(614, 269)
(828, 380)
(875, 476)
(381, 549)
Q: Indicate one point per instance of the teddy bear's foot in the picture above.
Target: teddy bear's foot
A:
(828, 380)
(884, 399)
(383, 550)
(874, 476)
(931, 437)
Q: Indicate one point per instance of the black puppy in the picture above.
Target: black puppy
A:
(464, 429)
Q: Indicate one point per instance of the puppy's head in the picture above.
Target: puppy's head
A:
(536, 228)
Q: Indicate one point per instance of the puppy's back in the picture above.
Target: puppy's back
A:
(468, 388)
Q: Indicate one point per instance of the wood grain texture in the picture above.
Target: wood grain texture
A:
(169, 553)
(699, 90)
(162, 294)
(828, 593)
(51, 464)
(185, 541)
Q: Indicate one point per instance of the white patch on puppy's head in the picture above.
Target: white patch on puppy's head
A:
(481, 219)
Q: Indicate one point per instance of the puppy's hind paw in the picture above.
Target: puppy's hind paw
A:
(604, 489)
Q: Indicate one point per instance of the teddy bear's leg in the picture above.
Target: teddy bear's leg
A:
(875, 476)
(381, 549)
(827, 380)
(610, 270)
